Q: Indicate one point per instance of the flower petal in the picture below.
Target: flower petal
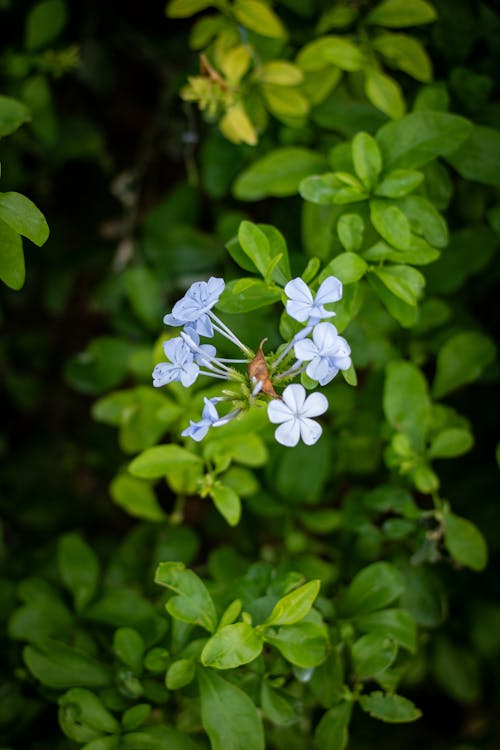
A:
(164, 373)
(278, 411)
(328, 375)
(204, 326)
(325, 337)
(170, 320)
(305, 350)
(209, 411)
(294, 396)
(288, 433)
(310, 431)
(189, 373)
(298, 310)
(297, 290)
(315, 405)
(329, 291)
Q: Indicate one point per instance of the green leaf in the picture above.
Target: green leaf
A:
(294, 606)
(156, 462)
(227, 503)
(110, 742)
(244, 447)
(461, 360)
(284, 102)
(384, 93)
(330, 50)
(373, 588)
(13, 114)
(451, 442)
(79, 568)
(419, 253)
(278, 173)
(137, 498)
(232, 646)
(404, 313)
(348, 267)
(406, 401)
(277, 705)
(405, 53)
(44, 23)
(331, 733)
(255, 244)
(180, 673)
(478, 158)
(144, 292)
(304, 644)
(398, 183)
(400, 13)
(281, 272)
(280, 72)
(259, 17)
(186, 8)
(59, 666)
(404, 282)
(228, 715)
(134, 717)
(84, 717)
(12, 269)
(128, 645)
(350, 229)
(389, 707)
(319, 188)
(192, 602)
(398, 624)
(464, 542)
(102, 366)
(421, 137)
(425, 220)
(371, 654)
(367, 159)
(391, 223)
(237, 126)
(247, 294)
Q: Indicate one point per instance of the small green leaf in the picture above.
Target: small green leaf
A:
(247, 294)
(192, 602)
(425, 220)
(404, 313)
(237, 126)
(330, 50)
(478, 158)
(186, 8)
(373, 588)
(450, 442)
(277, 705)
(319, 188)
(348, 267)
(255, 244)
(180, 673)
(331, 732)
(399, 182)
(389, 707)
(229, 716)
(371, 654)
(350, 229)
(259, 17)
(79, 568)
(465, 542)
(12, 269)
(227, 503)
(284, 102)
(44, 23)
(406, 401)
(278, 173)
(232, 646)
(137, 498)
(280, 72)
(367, 158)
(13, 114)
(405, 53)
(398, 624)
(304, 644)
(134, 717)
(420, 137)
(84, 717)
(294, 606)
(403, 281)
(156, 462)
(384, 93)
(60, 666)
(128, 645)
(400, 13)
(391, 223)
(461, 360)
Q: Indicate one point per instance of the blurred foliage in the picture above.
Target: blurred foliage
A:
(156, 593)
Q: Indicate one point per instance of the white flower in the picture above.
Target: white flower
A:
(327, 353)
(293, 413)
(209, 418)
(302, 307)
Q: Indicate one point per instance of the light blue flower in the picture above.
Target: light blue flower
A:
(209, 416)
(293, 413)
(327, 353)
(194, 306)
(303, 307)
(181, 367)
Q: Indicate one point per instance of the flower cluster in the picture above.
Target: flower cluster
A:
(317, 349)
